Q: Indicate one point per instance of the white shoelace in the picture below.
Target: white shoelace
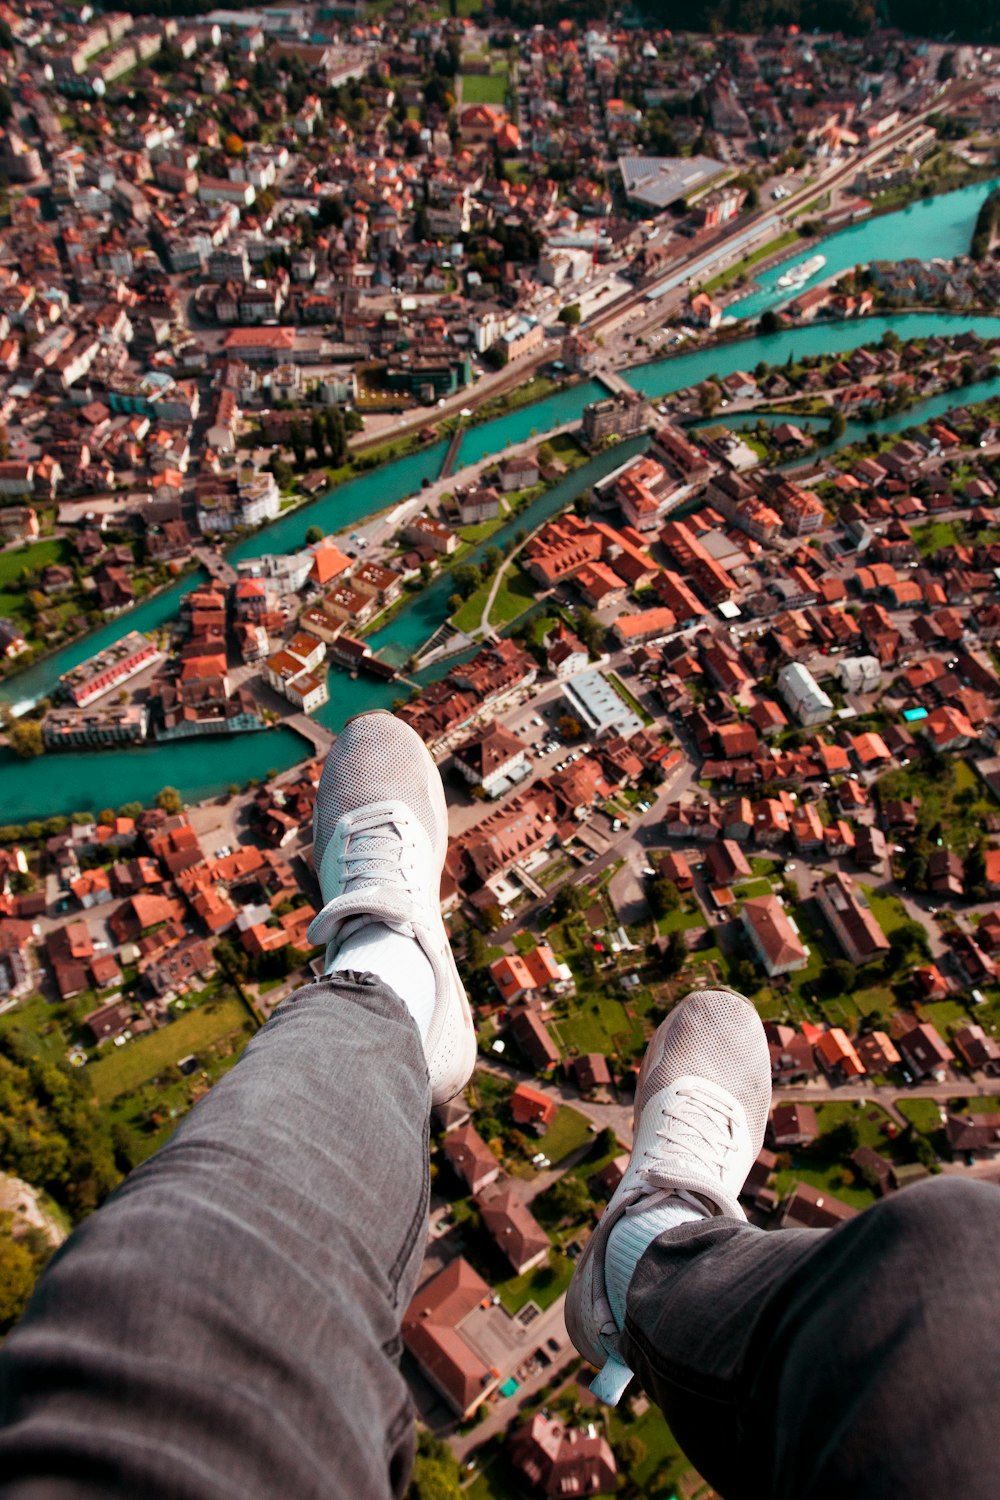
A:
(375, 857)
(705, 1131)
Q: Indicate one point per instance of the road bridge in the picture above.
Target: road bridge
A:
(321, 739)
(215, 566)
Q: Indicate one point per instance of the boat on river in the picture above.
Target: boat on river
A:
(799, 275)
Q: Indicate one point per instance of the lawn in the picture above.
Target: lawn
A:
(922, 1114)
(827, 1179)
(13, 563)
(127, 1068)
(679, 921)
(43, 1027)
(946, 1015)
(598, 1024)
(516, 594)
(542, 1285)
(656, 1476)
(568, 1132)
(888, 911)
(484, 88)
(878, 997)
(36, 555)
(752, 888)
(935, 535)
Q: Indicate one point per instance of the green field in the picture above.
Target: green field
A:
(127, 1068)
(484, 88)
(597, 1023)
(568, 1132)
(18, 560)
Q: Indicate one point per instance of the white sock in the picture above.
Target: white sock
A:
(397, 959)
(637, 1228)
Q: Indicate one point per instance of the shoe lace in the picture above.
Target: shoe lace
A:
(703, 1127)
(374, 855)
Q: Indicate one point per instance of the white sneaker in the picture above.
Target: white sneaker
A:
(700, 1112)
(381, 836)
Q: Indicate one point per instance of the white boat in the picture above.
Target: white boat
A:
(799, 275)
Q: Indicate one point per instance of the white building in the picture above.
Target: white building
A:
(860, 674)
(803, 694)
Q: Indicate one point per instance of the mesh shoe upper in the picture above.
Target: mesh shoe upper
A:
(381, 835)
(701, 1107)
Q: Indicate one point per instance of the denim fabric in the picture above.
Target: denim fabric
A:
(228, 1323)
(860, 1363)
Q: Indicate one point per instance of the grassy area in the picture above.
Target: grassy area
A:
(752, 888)
(515, 594)
(790, 237)
(127, 1068)
(657, 1474)
(44, 1028)
(952, 796)
(568, 1132)
(679, 921)
(946, 1015)
(542, 1285)
(922, 1114)
(484, 88)
(840, 1181)
(888, 911)
(598, 1023)
(14, 564)
(934, 535)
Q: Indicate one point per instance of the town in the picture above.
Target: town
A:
(610, 403)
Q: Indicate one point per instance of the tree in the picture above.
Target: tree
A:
(169, 799)
(570, 314)
(569, 899)
(17, 1278)
(566, 1199)
(314, 534)
(675, 954)
(769, 321)
(467, 579)
(436, 1473)
(663, 896)
(297, 439)
(569, 727)
(317, 435)
(837, 427)
(633, 1452)
(974, 870)
(907, 939)
(336, 435)
(25, 736)
(590, 630)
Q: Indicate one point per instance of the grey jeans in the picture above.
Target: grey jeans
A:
(228, 1324)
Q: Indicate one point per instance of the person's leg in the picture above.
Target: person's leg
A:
(228, 1323)
(813, 1365)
